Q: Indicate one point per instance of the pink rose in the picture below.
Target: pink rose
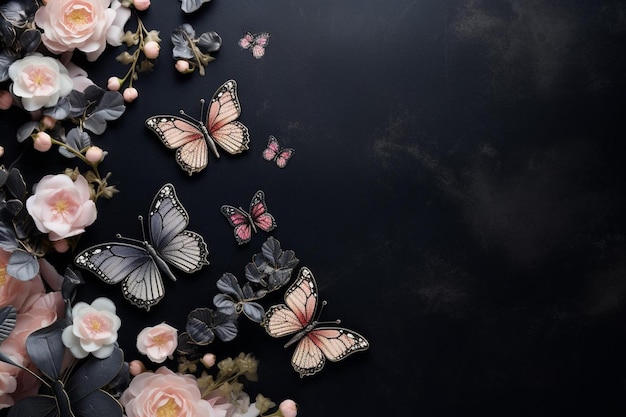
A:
(164, 393)
(75, 24)
(61, 207)
(94, 329)
(158, 342)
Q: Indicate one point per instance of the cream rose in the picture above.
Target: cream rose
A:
(75, 24)
(61, 207)
(94, 329)
(158, 342)
(39, 81)
(165, 393)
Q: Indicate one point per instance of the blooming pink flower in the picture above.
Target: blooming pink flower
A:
(288, 408)
(39, 81)
(164, 393)
(75, 24)
(61, 207)
(94, 329)
(42, 142)
(158, 342)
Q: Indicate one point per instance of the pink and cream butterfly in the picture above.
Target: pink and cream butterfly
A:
(256, 43)
(192, 138)
(275, 153)
(247, 222)
(316, 341)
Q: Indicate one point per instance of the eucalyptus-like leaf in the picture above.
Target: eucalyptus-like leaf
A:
(16, 184)
(77, 103)
(254, 311)
(225, 326)
(200, 323)
(110, 107)
(182, 48)
(30, 40)
(22, 265)
(27, 129)
(189, 30)
(71, 279)
(94, 374)
(7, 57)
(76, 139)
(8, 240)
(46, 349)
(7, 34)
(225, 304)
(18, 13)
(228, 284)
(93, 94)
(190, 6)
(8, 318)
(61, 110)
(209, 42)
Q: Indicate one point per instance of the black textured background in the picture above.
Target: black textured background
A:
(457, 190)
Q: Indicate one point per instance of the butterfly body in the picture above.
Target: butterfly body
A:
(256, 43)
(192, 139)
(316, 342)
(246, 222)
(138, 266)
(273, 152)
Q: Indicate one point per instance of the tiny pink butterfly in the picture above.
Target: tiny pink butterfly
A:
(246, 222)
(275, 153)
(255, 42)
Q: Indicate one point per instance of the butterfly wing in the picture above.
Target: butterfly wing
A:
(284, 156)
(132, 265)
(184, 249)
(230, 134)
(260, 42)
(246, 41)
(258, 212)
(240, 220)
(192, 152)
(272, 149)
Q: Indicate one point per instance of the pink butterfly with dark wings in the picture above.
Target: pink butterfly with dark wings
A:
(256, 43)
(275, 153)
(316, 341)
(192, 138)
(247, 222)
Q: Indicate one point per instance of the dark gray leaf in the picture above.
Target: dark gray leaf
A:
(110, 107)
(94, 374)
(26, 130)
(228, 284)
(60, 111)
(7, 57)
(7, 34)
(8, 240)
(16, 12)
(254, 311)
(190, 6)
(30, 40)
(77, 103)
(8, 318)
(16, 184)
(224, 304)
(4, 176)
(76, 139)
(93, 93)
(97, 404)
(35, 406)
(209, 42)
(71, 279)
(46, 349)
(14, 206)
(199, 326)
(271, 250)
(252, 273)
(22, 265)
(278, 278)
(182, 49)
(225, 326)
(186, 345)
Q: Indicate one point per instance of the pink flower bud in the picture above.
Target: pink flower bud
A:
(94, 154)
(114, 84)
(48, 122)
(208, 360)
(151, 49)
(6, 100)
(42, 142)
(1, 150)
(61, 246)
(288, 408)
(130, 94)
(136, 367)
(182, 66)
(141, 4)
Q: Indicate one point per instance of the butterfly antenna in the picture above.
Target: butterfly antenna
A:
(319, 313)
(143, 230)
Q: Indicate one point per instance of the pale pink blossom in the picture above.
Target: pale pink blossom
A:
(39, 81)
(158, 342)
(61, 207)
(1, 151)
(151, 49)
(141, 4)
(114, 83)
(182, 66)
(164, 393)
(208, 360)
(75, 24)
(130, 94)
(288, 408)
(94, 329)
(6, 100)
(42, 142)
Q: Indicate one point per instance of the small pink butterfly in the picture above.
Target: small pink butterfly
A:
(247, 222)
(275, 153)
(256, 42)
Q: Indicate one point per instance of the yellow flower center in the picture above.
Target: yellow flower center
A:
(3, 276)
(159, 340)
(169, 409)
(78, 17)
(60, 206)
(94, 324)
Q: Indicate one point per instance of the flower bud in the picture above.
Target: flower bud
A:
(114, 84)
(42, 142)
(94, 154)
(141, 4)
(130, 94)
(208, 360)
(136, 367)
(288, 408)
(48, 122)
(61, 246)
(1, 150)
(182, 66)
(151, 49)
(6, 100)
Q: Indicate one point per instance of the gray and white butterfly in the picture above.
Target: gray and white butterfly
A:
(138, 265)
